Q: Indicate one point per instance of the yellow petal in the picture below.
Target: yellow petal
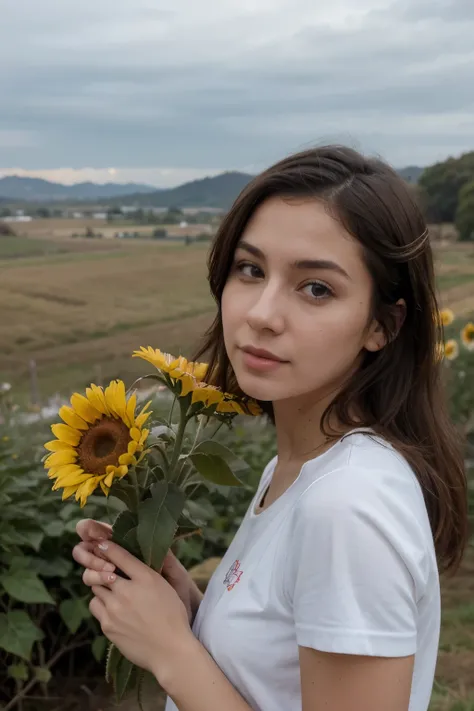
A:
(130, 410)
(84, 409)
(200, 370)
(68, 469)
(72, 480)
(143, 437)
(56, 446)
(105, 489)
(141, 419)
(127, 459)
(135, 434)
(109, 479)
(120, 398)
(68, 492)
(187, 384)
(122, 470)
(86, 489)
(229, 406)
(96, 397)
(66, 434)
(72, 419)
(132, 447)
(57, 459)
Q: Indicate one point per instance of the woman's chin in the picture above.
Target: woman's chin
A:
(263, 391)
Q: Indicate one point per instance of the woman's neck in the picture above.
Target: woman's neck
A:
(298, 427)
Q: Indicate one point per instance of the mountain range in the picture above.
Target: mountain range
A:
(218, 192)
(38, 190)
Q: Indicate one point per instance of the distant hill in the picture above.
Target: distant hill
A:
(219, 191)
(411, 174)
(37, 190)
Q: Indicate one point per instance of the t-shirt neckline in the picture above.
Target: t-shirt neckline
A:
(280, 501)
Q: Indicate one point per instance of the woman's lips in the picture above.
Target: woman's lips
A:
(260, 363)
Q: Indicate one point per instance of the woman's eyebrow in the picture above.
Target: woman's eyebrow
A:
(299, 264)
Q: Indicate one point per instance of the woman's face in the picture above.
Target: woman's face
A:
(299, 289)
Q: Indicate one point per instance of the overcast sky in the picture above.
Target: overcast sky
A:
(131, 90)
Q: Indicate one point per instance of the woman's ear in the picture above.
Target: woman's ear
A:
(377, 336)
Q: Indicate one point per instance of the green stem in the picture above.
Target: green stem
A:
(217, 430)
(171, 410)
(134, 480)
(183, 421)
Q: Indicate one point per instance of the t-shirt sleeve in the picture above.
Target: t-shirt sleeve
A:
(359, 564)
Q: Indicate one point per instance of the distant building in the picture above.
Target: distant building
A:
(18, 218)
(99, 215)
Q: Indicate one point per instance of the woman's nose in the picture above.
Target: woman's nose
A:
(267, 311)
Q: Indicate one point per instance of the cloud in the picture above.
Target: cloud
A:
(234, 83)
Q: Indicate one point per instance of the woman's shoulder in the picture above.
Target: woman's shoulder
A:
(366, 473)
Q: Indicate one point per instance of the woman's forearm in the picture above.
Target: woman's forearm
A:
(195, 682)
(196, 599)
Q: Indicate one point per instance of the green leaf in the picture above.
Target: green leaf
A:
(215, 469)
(113, 658)
(99, 645)
(18, 633)
(213, 448)
(68, 510)
(42, 674)
(53, 568)
(54, 529)
(126, 678)
(125, 532)
(73, 612)
(157, 522)
(18, 671)
(34, 539)
(126, 493)
(200, 511)
(25, 586)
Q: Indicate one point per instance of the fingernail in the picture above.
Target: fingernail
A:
(108, 568)
(111, 578)
(103, 546)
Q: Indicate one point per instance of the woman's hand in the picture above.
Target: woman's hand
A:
(143, 616)
(86, 554)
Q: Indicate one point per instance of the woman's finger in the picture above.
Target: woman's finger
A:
(97, 608)
(104, 594)
(93, 577)
(90, 530)
(85, 555)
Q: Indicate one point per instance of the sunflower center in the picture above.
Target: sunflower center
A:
(102, 444)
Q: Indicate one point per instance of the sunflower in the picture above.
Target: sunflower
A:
(467, 336)
(176, 368)
(451, 349)
(99, 439)
(446, 317)
(190, 377)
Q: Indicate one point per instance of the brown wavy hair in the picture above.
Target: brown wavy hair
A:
(398, 391)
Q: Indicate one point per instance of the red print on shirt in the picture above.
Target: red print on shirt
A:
(233, 575)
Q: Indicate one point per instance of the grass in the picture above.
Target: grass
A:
(79, 312)
(79, 307)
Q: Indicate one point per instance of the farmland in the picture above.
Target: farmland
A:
(79, 307)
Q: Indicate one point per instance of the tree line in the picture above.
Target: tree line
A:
(446, 192)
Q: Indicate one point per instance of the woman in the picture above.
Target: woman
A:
(328, 597)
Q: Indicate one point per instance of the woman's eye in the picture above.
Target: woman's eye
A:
(249, 270)
(317, 290)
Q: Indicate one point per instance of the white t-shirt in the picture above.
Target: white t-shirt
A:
(343, 562)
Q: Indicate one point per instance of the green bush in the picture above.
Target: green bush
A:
(44, 611)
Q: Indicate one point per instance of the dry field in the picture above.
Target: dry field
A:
(78, 307)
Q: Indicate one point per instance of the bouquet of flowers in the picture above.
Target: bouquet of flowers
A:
(104, 444)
